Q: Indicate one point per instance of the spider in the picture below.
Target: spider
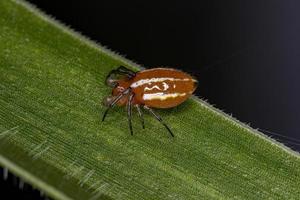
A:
(150, 88)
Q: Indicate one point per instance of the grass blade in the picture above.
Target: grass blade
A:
(51, 135)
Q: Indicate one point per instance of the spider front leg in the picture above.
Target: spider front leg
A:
(119, 73)
(124, 70)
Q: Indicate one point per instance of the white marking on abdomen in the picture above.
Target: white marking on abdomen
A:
(154, 80)
(162, 96)
(154, 87)
(166, 86)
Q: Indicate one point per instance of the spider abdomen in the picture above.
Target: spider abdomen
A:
(162, 87)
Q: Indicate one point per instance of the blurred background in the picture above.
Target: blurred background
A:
(245, 54)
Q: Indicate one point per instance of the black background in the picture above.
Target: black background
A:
(245, 54)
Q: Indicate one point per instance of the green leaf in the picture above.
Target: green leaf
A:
(51, 134)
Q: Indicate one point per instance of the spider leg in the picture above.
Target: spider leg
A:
(159, 119)
(122, 71)
(125, 70)
(140, 115)
(129, 112)
(125, 92)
